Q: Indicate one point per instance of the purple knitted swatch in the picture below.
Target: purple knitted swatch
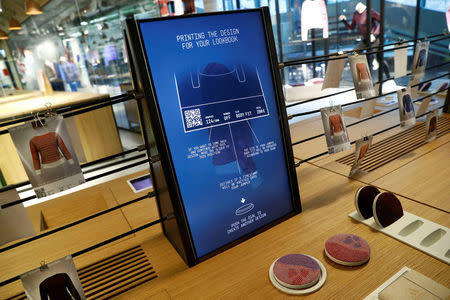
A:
(296, 269)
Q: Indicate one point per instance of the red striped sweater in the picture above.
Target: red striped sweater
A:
(45, 149)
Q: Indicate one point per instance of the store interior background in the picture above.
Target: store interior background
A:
(79, 44)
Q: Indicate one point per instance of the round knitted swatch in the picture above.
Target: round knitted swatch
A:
(386, 209)
(296, 271)
(347, 249)
(364, 200)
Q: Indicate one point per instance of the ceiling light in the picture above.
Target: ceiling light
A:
(32, 8)
(83, 23)
(14, 24)
(3, 35)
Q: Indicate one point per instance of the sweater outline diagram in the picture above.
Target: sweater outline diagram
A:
(193, 115)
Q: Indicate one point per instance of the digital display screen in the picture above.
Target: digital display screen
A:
(141, 183)
(216, 95)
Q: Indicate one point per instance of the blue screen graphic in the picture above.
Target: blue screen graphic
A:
(214, 88)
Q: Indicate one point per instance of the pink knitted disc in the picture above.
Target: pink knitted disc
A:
(348, 249)
(296, 270)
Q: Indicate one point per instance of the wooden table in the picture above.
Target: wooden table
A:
(242, 272)
(427, 179)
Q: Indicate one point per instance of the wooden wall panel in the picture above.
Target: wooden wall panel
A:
(98, 133)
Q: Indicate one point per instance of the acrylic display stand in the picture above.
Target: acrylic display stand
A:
(419, 233)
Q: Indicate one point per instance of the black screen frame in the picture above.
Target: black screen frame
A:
(147, 84)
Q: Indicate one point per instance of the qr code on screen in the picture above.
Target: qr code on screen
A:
(193, 118)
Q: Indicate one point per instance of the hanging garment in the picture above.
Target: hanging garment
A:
(45, 150)
(359, 20)
(314, 15)
(407, 104)
(336, 125)
(362, 72)
(58, 287)
(447, 16)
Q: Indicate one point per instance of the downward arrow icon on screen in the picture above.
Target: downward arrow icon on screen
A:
(243, 200)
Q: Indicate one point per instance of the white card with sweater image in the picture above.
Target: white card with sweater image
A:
(334, 128)
(46, 152)
(56, 280)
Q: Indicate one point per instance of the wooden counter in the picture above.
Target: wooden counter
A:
(242, 272)
(313, 126)
(96, 130)
(427, 179)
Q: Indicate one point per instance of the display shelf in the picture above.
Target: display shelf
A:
(242, 270)
(72, 225)
(114, 275)
(389, 149)
(89, 232)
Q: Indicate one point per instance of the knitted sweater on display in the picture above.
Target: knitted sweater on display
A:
(58, 287)
(407, 104)
(314, 15)
(360, 21)
(336, 125)
(45, 149)
(362, 72)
